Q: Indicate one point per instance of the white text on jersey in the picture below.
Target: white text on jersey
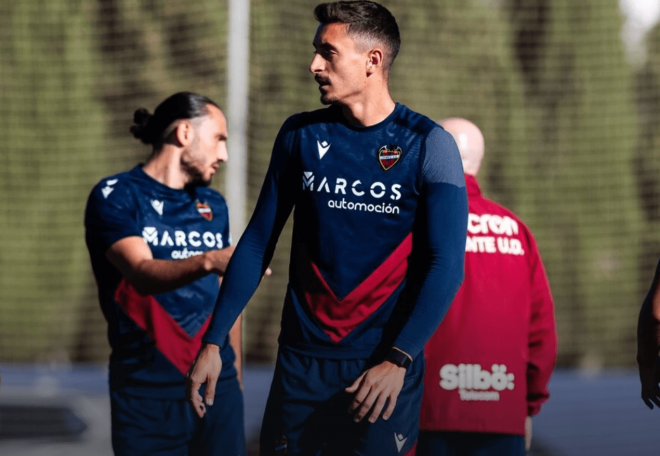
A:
(377, 189)
(179, 238)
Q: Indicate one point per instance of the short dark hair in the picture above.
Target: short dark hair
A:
(154, 128)
(366, 19)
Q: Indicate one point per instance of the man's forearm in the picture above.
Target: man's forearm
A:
(236, 342)
(240, 282)
(160, 276)
(446, 231)
(255, 249)
(151, 276)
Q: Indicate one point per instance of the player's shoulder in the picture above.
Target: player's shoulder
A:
(309, 118)
(418, 123)
(112, 196)
(118, 185)
(494, 208)
(440, 158)
(436, 138)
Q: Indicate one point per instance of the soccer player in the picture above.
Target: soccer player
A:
(158, 239)
(377, 253)
(489, 362)
(648, 343)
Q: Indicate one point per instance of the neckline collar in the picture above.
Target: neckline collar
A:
(472, 185)
(139, 172)
(383, 123)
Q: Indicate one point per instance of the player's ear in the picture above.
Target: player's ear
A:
(184, 133)
(375, 61)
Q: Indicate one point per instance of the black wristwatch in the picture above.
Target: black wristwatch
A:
(399, 358)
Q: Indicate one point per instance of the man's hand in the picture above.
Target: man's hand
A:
(374, 388)
(528, 433)
(216, 261)
(205, 369)
(648, 375)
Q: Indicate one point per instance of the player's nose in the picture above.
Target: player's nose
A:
(316, 65)
(222, 155)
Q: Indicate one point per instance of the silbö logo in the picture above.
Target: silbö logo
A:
(473, 383)
(377, 190)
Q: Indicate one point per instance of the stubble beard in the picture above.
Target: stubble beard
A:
(328, 99)
(192, 169)
(195, 176)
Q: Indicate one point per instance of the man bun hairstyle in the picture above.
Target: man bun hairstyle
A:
(140, 120)
(365, 19)
(155, 128)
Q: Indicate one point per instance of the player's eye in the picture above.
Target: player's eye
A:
(323, 52)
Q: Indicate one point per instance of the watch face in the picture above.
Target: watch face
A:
(399, 358)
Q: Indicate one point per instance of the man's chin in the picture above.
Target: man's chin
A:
(328, 99)
(205, 182)
(199, 181)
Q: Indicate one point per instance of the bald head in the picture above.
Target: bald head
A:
(470, 142)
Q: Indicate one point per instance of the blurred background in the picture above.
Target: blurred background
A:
(567, 93)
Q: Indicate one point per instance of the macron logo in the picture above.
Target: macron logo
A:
(323, 148)
(400, 441)
(158, 206)
(106, 191)
(108, 187)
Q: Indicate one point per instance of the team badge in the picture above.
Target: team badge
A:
(389, 155)
(205, 211)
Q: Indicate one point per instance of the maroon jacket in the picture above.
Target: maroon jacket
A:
(489, 362)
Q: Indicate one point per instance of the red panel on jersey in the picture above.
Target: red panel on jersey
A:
(171, 340)
(412, 451)
(339, 317)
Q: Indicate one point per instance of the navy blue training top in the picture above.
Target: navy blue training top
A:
(378, 240)
(155, 338)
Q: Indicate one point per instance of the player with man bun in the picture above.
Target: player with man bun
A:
(158, 239)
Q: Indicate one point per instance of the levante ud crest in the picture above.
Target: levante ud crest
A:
(205, 211)
(389, 155)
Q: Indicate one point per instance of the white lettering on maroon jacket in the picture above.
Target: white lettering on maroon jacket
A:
(503, 226)
(474, 383)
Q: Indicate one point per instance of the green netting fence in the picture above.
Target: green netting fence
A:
(572, 143)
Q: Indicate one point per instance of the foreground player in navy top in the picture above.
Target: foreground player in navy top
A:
(158, 239)
(377, 253)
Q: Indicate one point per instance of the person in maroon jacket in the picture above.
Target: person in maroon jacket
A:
(489, 362)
